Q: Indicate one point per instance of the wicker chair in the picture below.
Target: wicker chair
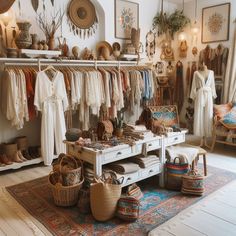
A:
(220, 133)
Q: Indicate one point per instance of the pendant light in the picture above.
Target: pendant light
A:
(182, 35)
(195, 28)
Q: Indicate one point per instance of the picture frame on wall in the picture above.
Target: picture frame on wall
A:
(126, 18)
(215, 23)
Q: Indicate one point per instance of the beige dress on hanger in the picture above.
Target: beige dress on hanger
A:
(203, 91)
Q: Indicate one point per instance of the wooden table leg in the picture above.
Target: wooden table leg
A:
(205, 166)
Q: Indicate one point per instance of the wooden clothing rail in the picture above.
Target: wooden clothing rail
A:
(59, 62)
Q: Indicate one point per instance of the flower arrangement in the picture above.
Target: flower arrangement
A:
(170, 24)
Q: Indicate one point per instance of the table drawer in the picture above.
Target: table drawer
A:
(153, 145)
(116, 155)
(130, 178)
(83, 155)
(150, 171)
(174, 139)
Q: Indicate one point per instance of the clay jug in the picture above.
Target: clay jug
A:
(34, 41)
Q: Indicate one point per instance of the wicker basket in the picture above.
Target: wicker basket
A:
(71, 176)
(65, 195)
(103, 200)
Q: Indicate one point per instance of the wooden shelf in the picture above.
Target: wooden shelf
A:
(16, 165)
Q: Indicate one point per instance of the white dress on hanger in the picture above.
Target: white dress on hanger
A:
(51, 99)
(203, 91)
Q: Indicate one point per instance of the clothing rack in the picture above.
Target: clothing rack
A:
(62, 62)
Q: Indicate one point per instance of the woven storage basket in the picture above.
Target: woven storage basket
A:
(193, 183)
(103, 200)
(71, 176)
(65, 195)
(174, 173)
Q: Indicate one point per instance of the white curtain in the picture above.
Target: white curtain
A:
(230, 75)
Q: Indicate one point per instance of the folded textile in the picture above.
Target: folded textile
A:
(136, 127)
(145, 162)
(190, 153)
(124, 167)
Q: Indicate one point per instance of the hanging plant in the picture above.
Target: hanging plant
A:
(170, 24)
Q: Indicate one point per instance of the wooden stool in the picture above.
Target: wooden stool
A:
(201, 152)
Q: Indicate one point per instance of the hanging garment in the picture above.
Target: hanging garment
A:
(179, 86)
(51, 99)
(202, 92)
(230, 75)
(188, 78)
(193, 69)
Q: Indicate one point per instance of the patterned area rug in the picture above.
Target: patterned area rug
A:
(157, 206)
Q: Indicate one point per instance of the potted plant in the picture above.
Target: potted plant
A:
(170, 24)
(118, 123)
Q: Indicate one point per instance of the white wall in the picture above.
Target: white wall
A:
(105, 12)
(189, 10)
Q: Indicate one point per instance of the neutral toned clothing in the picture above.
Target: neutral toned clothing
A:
(203, 91)
(51, 99)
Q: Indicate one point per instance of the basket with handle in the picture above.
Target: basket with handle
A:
(174, 172)
(70, 176)
(103, 199)
(64, 195)
(193, 183)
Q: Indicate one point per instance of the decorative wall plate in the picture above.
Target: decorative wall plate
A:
(83, 18)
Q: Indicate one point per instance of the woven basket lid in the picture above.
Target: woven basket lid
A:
(5, 5)
(82, 13)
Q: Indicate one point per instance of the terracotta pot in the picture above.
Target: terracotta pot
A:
(119, 132)
(34, 41)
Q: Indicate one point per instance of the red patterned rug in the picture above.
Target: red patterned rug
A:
(157, 206)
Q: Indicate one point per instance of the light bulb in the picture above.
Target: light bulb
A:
(195, 28)
(182, 36)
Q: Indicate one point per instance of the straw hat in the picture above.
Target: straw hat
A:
(101, 45)
(5, 5)
(82, 13)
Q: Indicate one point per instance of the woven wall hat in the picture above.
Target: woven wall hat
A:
(83, 17)
(5, 5)
(102, 44)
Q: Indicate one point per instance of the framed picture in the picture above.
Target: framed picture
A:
(126, 18)
(215, 23)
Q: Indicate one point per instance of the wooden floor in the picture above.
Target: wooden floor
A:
(213, 216)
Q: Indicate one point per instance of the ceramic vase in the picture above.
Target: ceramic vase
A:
(51, 43)
(23, 40)
(34, 41)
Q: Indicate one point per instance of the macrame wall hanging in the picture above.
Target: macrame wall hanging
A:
(82, 18)
(150, 44)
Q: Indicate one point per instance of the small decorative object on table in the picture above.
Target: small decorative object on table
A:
(118, 124)
(73, 134)
(105, 130)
